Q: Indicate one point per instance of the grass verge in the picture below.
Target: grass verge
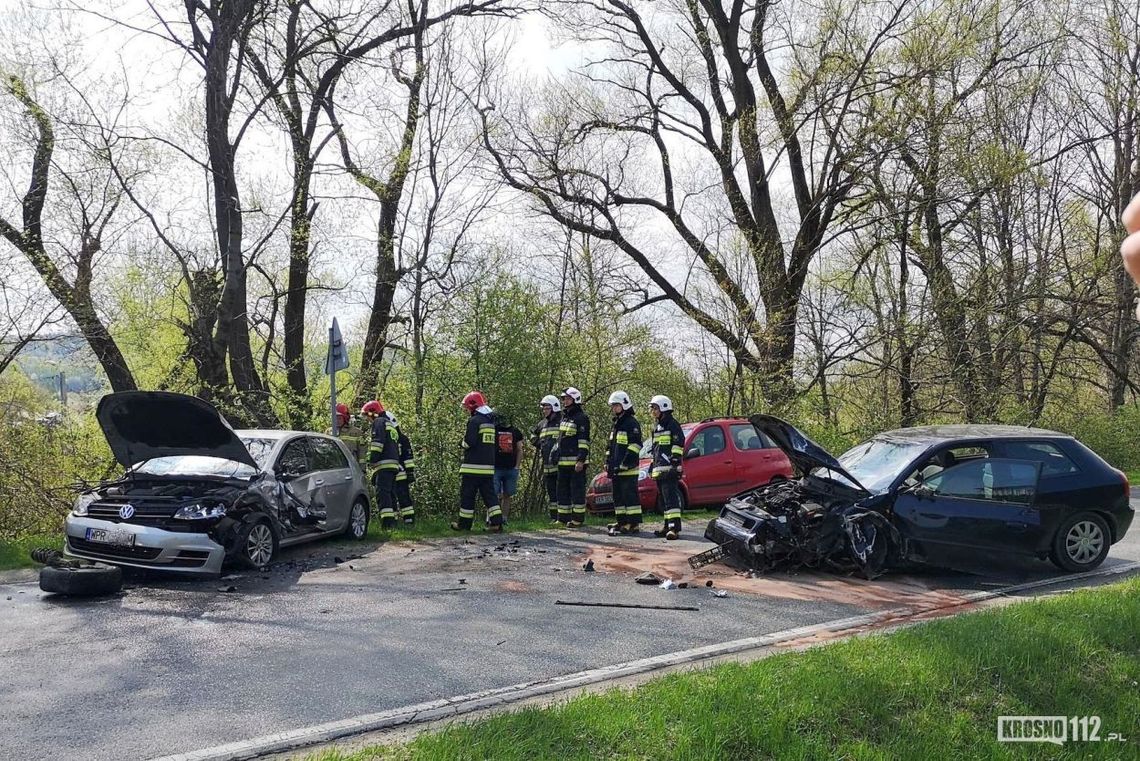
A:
(930, 691)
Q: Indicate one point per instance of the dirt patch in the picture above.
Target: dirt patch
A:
(673, 563)
(513, 585)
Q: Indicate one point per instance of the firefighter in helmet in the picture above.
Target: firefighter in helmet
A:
(406, 476)
(351, 434)
(573, 452)
(477, 472)
(622, 458)
(665, 469)
(544, 437)
(383, 461)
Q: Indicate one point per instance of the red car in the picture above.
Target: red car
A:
(723, 457)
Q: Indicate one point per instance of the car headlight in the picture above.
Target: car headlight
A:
(643, 474)
(82, 503)
(200, 511)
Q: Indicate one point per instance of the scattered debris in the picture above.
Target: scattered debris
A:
(667, 584)
(709, 583)
(455, 589)
(589, 567)
(230, 588)
(463, 581)
(719, 593)
(346, 558)
(497, 644)
(648, 578)
(625, 605)
(720, 552)
(231, 577)
(326, 610)
(683, 585)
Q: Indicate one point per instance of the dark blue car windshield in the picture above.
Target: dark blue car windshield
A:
(875, 463)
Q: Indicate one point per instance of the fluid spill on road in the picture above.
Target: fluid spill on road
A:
(672, 563)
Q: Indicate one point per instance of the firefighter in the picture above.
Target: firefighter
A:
(477, 473)
(383, 461)
(352, 435)
(544, 437)
(665, 468)
(573, 452)
(622, 460)
(406, 476)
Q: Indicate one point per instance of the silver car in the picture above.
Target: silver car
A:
(197, 494)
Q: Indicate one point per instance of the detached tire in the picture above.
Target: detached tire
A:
(258, 545)
(1081, 543)
(89, 580)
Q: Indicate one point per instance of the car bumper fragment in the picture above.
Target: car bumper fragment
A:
(151, 547)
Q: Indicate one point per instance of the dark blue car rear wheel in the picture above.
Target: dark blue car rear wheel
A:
(1081, 543)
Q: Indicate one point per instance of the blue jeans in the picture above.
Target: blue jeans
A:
(506, 481)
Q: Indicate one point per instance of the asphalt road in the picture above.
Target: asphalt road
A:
(174, 666)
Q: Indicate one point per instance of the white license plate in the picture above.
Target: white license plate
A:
(111, 536)
(604, 499)
(734, 519)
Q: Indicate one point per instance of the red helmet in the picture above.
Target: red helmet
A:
(474, 401)
(342, 414)
(373, 408)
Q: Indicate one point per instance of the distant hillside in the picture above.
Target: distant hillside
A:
(43, 361)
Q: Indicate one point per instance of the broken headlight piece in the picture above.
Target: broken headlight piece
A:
(199, 511)
(82, 502)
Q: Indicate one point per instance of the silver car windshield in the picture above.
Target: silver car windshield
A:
(875, 463)
(195, 465)
(260, 450)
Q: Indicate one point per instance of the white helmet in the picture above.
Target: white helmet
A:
(662, 402)
(552, 400)
(622, 398)
(391, 418)
(574, 394)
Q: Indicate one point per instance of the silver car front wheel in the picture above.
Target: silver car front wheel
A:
(1081, 542)
(1084, 542)
(259, 545)
(358, 521)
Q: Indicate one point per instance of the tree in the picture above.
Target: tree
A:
(697, 85)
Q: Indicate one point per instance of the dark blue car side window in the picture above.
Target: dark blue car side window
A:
(1053, 461)
(991, 480)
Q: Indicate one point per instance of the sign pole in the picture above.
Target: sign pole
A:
(332, 377)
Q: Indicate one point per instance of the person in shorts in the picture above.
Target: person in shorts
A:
(508, 455)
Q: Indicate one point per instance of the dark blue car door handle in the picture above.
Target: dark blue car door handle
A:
(931, 515)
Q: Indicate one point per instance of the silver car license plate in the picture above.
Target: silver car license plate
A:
(604, 499)
(111, 536)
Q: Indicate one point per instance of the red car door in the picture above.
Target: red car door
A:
(758, 460)
(710, 474)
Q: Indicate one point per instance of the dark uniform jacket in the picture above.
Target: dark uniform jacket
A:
(479, 445)
(383, 453)
(544, 437)
(407, 462)
(625, 445)
(573, 437)
(668, 447)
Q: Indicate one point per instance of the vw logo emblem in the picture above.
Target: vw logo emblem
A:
(126, 511)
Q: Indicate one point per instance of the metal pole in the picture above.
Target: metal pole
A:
(63, 389)
(332, 381)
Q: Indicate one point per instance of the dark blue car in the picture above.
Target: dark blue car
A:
(905, 494)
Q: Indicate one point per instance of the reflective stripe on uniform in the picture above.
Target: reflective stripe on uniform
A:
(471, 469)
(673, 513)
(635, 448)
(678, 449)
(567, 462)
(622, 437)
(631, 472)
(583, 444)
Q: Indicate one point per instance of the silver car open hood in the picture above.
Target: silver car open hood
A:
(142, 425)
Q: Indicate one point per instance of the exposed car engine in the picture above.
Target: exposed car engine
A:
(801, 524)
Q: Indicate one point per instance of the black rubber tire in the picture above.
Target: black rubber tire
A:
(245, 545)
(1061, 555)
(97, 579)
(348, 531)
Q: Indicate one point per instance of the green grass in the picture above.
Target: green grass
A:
(15, 553)
(930, 691)
(1133, 476)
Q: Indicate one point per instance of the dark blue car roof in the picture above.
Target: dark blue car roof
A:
(936, 434)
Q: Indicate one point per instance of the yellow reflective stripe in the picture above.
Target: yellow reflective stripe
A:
(477, 470)
(409, 464)
(568, 427)
(567, 460)
(582, 444)
(623, 438)
(678, 450)
(634, 447)
(632, 472)
(663, 438)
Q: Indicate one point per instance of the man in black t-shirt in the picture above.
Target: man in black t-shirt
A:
(508, 454)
